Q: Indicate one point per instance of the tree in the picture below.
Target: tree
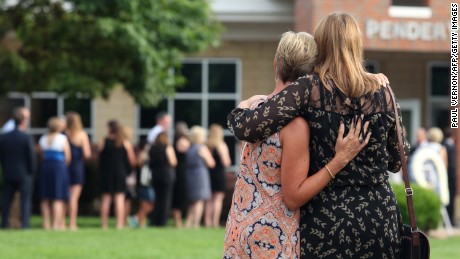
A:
(89, 46)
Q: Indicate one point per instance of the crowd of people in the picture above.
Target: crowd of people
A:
(165, 175)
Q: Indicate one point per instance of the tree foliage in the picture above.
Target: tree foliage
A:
(89, 46)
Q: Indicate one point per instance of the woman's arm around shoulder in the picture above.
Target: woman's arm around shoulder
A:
(253, 125)
(297, 187)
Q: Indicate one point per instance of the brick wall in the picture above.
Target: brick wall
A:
(310, 12)
(120, 105)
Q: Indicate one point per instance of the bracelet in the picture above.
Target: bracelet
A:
(330, 173)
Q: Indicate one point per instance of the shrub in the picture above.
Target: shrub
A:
(427, 206)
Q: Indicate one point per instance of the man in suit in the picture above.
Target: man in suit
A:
(17, 158)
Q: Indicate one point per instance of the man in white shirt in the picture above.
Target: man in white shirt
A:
(163, 124)
(10, 125)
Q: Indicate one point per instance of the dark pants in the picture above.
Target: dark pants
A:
(163, 203)
(451, 207)
(25, 189)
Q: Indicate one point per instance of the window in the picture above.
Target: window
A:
(410, 112)
(438, 94)
(211, 91)
(410, 2)
(418, 9)
(44, 105)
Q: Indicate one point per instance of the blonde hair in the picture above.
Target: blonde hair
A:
(340, 55)
(127, 133)
(54, 125)
(216, 136)
(295, 55)
(434, 135)
(74, 124)
(197, 134)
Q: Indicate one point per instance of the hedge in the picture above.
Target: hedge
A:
(427, 206)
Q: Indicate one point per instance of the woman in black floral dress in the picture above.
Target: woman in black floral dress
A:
(356, 215)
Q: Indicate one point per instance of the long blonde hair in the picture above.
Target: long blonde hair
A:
(340, 55)
(74, 124)
(216, 136)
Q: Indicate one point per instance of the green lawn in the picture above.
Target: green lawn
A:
(92, 242)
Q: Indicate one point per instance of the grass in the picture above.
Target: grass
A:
(445, 248)
(92, 242)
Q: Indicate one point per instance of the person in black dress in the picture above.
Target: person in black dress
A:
(162, 161)
(356, 215)
(181, 145)
(219, 150)
(115, 162)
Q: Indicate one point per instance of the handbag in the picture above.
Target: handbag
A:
(414, 243)
(146, 175)
(145, 171)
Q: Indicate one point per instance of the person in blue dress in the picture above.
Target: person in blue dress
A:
(54, 179)
(80, 148)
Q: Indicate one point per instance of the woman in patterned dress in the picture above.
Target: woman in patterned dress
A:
(272, 182)
(356, 215)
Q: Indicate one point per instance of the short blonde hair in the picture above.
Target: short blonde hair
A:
(54, 125)
(295, 55)
(197, 134)
(434, 135)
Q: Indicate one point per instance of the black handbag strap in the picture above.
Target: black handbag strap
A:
(405, 173)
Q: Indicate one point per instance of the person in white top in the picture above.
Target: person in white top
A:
(10, 125)
(163, 121)
(54, 178)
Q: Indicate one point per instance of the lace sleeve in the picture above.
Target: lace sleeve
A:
(394, 163)
(253, 125)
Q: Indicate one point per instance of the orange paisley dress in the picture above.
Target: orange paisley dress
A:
(259, 224)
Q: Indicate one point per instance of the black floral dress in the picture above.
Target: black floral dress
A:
(356, 214)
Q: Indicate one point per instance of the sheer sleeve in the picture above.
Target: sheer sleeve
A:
(253, 125)
(394, 162)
